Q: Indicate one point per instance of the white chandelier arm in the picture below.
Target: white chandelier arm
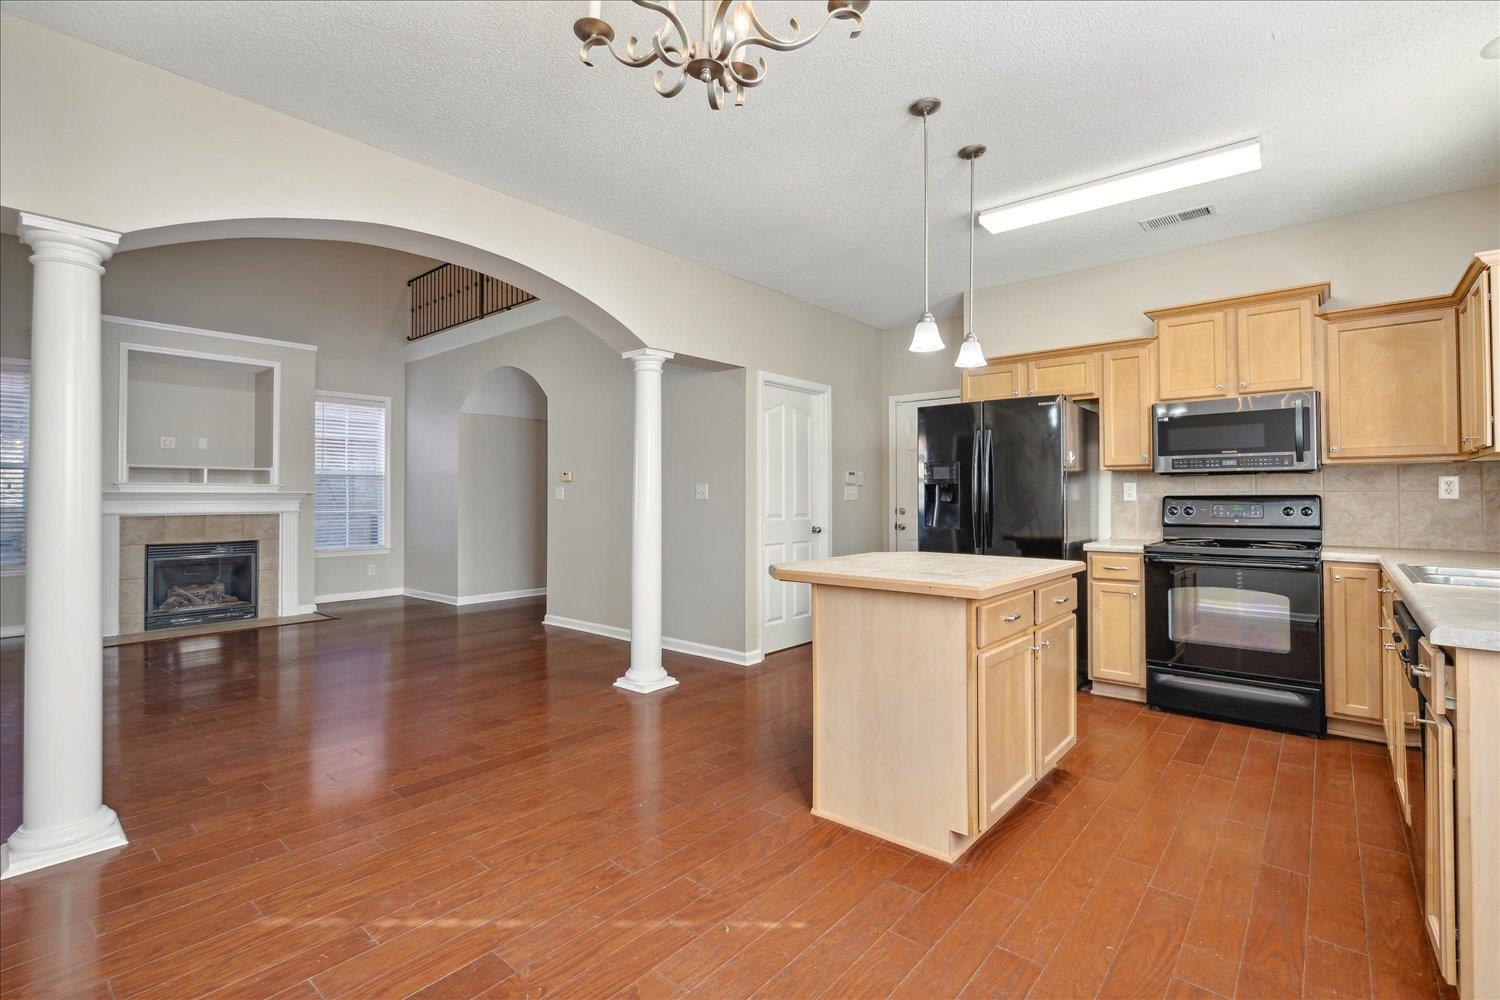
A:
(674, 89)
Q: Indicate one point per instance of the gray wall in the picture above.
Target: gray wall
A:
(590, 402)
(502, 504)
(188, 400)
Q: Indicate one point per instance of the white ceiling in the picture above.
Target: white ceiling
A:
(813, 188)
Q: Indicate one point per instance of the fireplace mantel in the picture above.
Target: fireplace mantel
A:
(286, 504)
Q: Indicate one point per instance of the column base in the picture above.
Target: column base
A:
(26, 851)
(663, 682)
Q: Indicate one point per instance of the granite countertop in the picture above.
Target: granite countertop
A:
(1467, 617)
(941, 574)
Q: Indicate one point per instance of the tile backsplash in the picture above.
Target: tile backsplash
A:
(1394, 505)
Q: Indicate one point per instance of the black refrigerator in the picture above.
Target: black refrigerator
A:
(1013, 477)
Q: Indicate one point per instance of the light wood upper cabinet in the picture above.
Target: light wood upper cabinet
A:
(1476, 371)
(1352, 640)
(1073, 375)
(1117, 633)
(997, 381)
(1274, 344)
(1192, 355)
(1056, 692)
(1392, 387)
(1006, 727)
(1127, 390)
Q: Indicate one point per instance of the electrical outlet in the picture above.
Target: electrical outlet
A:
(1447, 487)
(371, 570)
(167, 442)
(702, 491)
(1127, 492)
(557, 493)
(202, 443)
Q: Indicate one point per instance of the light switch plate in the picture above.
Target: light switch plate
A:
(202, 443)
(169, 442)
(1127, 492)
(557, 493)
(851, 492)
(854, 479)
(1447, 487)
(702, 491)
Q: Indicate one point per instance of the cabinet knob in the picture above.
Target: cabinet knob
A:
(1333, 447)
(1385, 590)
(1390, 646)
(1219, 386)
(1035, 649)
(1144, 458)
(1060, 600)
(1113, 568)
(1242, 384)
(1420, 671)
(1337, 578)
(1046, 643)
(1133, 595)
(1014, 616)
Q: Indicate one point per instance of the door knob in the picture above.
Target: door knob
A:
(901, 511)
(900, 526)
(817, 530)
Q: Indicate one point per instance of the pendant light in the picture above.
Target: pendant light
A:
(926, 337)
(970, 354)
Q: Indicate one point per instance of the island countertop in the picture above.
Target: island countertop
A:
(940, 574)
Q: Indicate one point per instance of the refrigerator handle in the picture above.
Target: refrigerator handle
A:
(974, 493)
(988, 498)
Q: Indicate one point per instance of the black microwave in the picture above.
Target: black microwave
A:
(1273, 432)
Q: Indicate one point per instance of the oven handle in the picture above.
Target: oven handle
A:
(1235, 563)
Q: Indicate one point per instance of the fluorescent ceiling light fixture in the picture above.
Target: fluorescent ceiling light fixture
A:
(1199, 168)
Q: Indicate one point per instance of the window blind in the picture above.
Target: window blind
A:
(349, 474)
(15, 442)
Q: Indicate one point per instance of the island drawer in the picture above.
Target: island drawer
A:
(1002, 617)
(1056, 599)
(1115, 566)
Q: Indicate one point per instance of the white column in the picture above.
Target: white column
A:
(63, 815)
(646, 673)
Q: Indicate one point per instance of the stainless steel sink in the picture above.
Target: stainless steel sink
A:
(1452, 576)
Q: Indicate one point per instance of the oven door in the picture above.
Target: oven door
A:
(1276, 432)
(1238, 617)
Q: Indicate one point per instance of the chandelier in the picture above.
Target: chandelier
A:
(717, 54)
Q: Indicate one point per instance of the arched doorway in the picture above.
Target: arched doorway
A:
(502, 488)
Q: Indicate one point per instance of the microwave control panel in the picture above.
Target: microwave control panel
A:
(1219, 463)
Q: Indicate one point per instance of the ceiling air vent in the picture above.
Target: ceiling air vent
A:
(1163, 221)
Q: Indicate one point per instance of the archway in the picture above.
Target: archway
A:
(502, 488)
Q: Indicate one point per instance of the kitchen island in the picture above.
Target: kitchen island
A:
(944, 689)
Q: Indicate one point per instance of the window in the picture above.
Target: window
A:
(15, 441)
(350, 466)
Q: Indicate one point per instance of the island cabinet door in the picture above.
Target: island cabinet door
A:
(1056, 692)
(1006, 727)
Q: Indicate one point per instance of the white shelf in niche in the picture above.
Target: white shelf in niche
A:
(197, 475)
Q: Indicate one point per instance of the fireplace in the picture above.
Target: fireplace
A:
(199, 582)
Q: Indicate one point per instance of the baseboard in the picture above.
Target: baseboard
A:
(11, 631)
(721, 653)
(460, 602)
(1372, 732)
(1124, 692)
(504, 595)
(303, 609)
(359, 595)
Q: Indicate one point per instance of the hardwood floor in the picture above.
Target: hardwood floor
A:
(417, 800)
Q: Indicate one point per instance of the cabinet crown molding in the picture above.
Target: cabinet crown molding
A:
(1319, 292)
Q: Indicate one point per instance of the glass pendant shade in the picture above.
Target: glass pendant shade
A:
(970, 354)
(926, 338)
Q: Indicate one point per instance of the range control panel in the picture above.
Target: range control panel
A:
(1261, 511)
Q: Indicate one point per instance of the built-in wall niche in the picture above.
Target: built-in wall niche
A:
(191, 420)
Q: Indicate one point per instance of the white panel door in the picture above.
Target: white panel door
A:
(790, 474)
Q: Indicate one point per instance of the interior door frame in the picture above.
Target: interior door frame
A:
(892, 405)
(822, 450)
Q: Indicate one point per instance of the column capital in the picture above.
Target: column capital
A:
(648, 359)
(66, 242)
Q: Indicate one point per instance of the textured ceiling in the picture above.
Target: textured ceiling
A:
(814, 188)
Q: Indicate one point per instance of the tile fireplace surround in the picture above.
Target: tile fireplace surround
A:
(133, 520)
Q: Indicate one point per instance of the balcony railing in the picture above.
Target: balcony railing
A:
(449, 295)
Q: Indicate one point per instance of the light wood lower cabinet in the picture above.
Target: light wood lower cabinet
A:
(1117, 631)
(1352, 640)
(1056, 692)
(1439, 846)
(1007, 727)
